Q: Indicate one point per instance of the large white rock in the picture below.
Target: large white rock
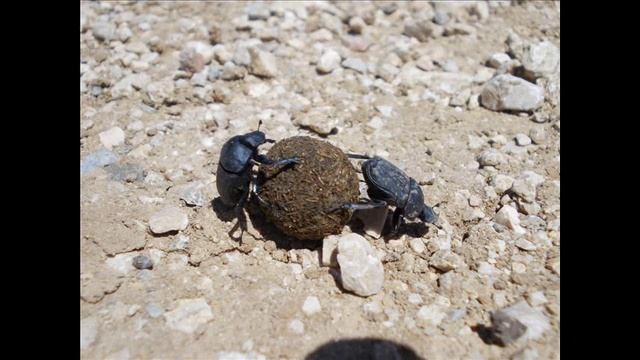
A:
(509, 93)
(361, 271)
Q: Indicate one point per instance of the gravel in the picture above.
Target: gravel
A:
(360, 269)
(509, 93)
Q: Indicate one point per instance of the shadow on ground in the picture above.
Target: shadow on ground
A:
(362, 349)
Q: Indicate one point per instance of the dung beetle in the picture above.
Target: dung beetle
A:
(388, 185)
(237, 157)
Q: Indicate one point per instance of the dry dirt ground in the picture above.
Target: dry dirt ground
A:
(209, 295)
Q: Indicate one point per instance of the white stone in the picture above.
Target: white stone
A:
(499, 61)
(296, 326)
(431, 314)
(491, 157)
(234, 355)
(88, 332)
(537, 298)
(509, 93)
(330, 251)
(361, 271)
(168, 219)
(535, 321)
(203, 49)
(526, 184)
(188, 315)
(417, 245)
(525, 244)
(355, 64)
(508, 216)
(263, 63)
(122, 263)
(540, 59)
(319, 119)
(329, 61)
(112, 137)
(384, 110)
(501, 183)
(522, 140)
(518, 268)
(415, 299)
(445, 260)
(311, 306)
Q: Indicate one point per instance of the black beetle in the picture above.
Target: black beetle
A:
(237, 157)
(388, 185)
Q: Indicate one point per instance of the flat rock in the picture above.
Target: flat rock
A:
(191, 193)
(355, 64)
(330, 251)
(373, 220)
(168, 219)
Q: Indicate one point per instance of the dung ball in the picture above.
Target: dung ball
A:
(300, 200)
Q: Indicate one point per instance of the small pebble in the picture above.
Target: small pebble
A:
(537, 135)
(525, 244)
(142, 262)
(508, 216)
(329, 61)
(112, 137)
(522, 140)
(311, 306)
(417, 245)
(263, 63)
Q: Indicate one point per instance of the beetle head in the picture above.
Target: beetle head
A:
(428, 215)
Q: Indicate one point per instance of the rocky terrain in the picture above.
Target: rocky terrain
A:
(463, 96)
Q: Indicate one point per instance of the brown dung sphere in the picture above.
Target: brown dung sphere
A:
(298, 199)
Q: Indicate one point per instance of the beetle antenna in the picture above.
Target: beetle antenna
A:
(259, 124)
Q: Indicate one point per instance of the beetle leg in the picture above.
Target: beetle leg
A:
(397, 219)
(373, 204)
(263, 160)
(359, 156)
